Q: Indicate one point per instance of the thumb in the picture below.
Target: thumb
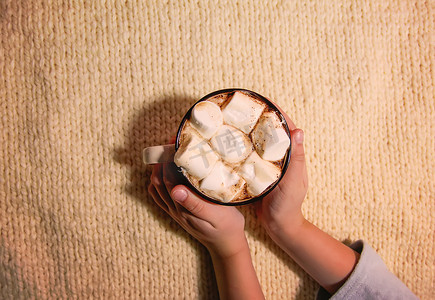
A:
(297, 157)
(190, 201)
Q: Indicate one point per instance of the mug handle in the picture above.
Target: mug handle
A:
(158, 154)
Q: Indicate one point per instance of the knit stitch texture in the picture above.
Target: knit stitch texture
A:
(86, 85)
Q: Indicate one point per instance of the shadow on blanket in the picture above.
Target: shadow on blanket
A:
(154, 125)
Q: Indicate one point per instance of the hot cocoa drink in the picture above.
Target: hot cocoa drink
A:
(233, 146)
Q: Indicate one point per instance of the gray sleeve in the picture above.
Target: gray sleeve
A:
(369, 280)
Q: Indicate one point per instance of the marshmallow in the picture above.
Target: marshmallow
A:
(222, 183)
(243, 112)
(270, 138)
(232, 145)
(258, 173)
(206, 118)
(196, 157)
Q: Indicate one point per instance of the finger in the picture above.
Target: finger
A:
(157, 181)
(192, 203)
(155, 195)
(297, 151)
(172, 176)
(195, 222)
(173, 139)
(297, 167)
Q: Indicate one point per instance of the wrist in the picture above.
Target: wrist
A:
(235, 274)
(229, 250)
(286, 228)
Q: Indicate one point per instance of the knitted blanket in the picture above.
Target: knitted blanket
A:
(86, 85)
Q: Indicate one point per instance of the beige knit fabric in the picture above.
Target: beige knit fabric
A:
(85, 86)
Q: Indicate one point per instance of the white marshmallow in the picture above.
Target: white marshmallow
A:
(258, 173)
(195, 156)
(206, 117)
(222, 183)
(243, 112)
(232, 144)
(270, 138)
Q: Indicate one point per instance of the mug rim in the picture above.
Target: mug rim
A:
(286, 158)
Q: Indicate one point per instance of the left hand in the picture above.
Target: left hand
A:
(280, 211)
(219, 228)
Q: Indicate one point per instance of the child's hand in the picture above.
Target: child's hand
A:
(219, 228)
(282, 207)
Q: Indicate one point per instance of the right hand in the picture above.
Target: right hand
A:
(281, 209)
(219, 228)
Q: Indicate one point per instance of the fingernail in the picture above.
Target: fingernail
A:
(179, 195)
(299, 137)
